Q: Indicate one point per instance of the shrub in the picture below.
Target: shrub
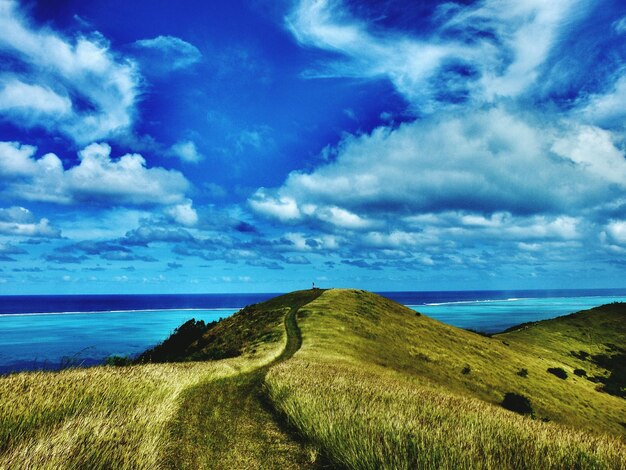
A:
(522, 372)
(174, 347)
(582, 355)
(517, 403)
(466, 370)
(580, 372)
(558, 371)
(118, 361)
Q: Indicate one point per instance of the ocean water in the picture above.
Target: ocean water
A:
(50, 332)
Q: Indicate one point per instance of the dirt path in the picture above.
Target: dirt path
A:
(225, 424)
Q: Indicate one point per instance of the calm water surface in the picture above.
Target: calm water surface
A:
(49, 331)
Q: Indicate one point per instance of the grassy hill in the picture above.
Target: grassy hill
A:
(337, 378)
(377, 386)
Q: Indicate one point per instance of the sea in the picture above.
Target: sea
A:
(55, 332)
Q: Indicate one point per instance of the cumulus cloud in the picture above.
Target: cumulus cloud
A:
(143, 236)
(163, 54)
(513, 176)
(7, 251)
(76, 86)
(282, 208)
(187, 151)
(21, 222)
(616, 230)
(183, 214)
(475, 162)
(98, 178)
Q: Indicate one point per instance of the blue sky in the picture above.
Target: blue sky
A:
(257, 146)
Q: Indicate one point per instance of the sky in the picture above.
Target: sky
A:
(260, 146)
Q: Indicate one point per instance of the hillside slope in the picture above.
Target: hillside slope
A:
(179, 415)
(337, 378)
(376, 385)
(368, 328)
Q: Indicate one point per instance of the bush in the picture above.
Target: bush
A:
(558, 371)
(118, 361)
(517, 403)
(174, 348)
(522, 372)
(580, 372)
(582, 355)
(466, 370)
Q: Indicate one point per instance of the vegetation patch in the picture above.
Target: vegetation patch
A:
(558, 371)
(582, 355)
(522, 372)
(362, 416)
(119, 361)
(517, 403)
(175, 347)
(580, 372)
(614, 361)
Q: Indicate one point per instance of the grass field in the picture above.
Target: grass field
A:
(107, 417)
(377, 386)
(337, 378)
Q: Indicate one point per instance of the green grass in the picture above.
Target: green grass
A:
(118, 417)
(367, 417)
(227, 423)
(376, 386)
(342, 377)
(104, 417)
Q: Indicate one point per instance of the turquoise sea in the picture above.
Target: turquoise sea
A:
(55, 340)
(491, 316)
(51, 332)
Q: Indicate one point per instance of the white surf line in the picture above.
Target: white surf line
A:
(515, 299)
(95, 312)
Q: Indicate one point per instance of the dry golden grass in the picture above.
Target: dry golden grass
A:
(103, 417)
(372, 330)
(370, 417)
(375, 386)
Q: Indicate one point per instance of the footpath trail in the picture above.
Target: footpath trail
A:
(226, 424)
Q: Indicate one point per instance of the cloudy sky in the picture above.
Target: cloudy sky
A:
(260, 145)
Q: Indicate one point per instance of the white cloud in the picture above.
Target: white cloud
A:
(507, 59)
(57, 69)
(525, 33)
(32, 100)
(593, 150)
(183, 214)
(8, 249)
(97, 178)
(617, 231)
(20, 221)
(605, 109)
(620, 25)
(301, 242)
(164, 53)
(282, 208)
(408, 63)
(478, 162)
(342, 218)
(186, 150)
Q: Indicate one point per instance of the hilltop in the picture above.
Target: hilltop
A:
(342, 378)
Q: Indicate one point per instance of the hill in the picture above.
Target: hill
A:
(336, 378)
(376, 385)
